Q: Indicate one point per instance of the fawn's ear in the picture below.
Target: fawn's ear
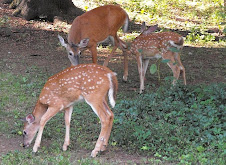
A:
(150, 29)
(83, 43)
(62, 42)
(143, 27)
(30, 118)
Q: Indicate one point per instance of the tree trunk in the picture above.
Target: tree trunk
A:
(47, 9)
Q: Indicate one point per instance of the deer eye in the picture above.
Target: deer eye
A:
(70, 54)
(24, 133)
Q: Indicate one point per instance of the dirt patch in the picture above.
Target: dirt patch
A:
(8, 144)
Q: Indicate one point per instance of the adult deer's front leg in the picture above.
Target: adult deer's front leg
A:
(67, 117)
(93, 50)
(45, 118)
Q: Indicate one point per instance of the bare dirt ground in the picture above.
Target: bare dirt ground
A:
(35, 43)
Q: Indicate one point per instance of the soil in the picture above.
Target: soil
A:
(25, 44)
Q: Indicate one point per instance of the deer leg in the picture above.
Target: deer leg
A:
(93, 50)
(175, 68)
(67, 117)
(123, 47)
(125, 75)
(146, 62)
(141, 72)
(111, 117)
(116, 45)
(105, 119)
(110, 56)
(181, 67)
(51, 111)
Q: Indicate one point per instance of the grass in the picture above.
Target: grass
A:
(170, 13)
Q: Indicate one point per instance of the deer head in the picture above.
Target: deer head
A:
(30, 129)
(73, 50)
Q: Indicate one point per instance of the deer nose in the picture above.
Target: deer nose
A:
(25, 145)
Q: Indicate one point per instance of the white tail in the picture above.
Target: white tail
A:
(166, 45)
(97, 25)
(89, 82)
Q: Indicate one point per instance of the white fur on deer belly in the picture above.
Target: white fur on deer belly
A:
(80, 99)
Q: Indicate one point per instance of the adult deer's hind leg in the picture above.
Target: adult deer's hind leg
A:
(116, 45)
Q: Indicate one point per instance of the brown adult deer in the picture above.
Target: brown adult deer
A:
(165, 45)
(96, 25)
(89, 82)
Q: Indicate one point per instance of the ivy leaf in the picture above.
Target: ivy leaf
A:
(140, 50)
(153, 68)
(200, 148)
(173, 49)
(165, 61)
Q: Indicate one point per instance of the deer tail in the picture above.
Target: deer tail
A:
(113, 88)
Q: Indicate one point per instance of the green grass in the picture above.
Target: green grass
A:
(170, 12)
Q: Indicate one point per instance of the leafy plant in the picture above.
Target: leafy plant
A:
(186, 120)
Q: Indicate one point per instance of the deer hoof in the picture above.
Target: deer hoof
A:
(124, 78)
(35, 149)
(64, 147)
(94, 153)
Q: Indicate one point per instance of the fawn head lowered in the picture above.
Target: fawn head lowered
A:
(89, 82)
(165, 45)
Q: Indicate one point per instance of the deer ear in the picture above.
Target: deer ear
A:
(30, 118)
(143, 27)
(151, 29)
(83, 43)
(62, 41)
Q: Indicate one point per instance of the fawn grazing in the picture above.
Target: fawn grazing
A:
(150, 45)
(92, 28)
(89, 82)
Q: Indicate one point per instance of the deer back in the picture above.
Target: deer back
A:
(77, 83)
(154, 44)
(97, 24)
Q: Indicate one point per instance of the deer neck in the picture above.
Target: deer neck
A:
(39, 111)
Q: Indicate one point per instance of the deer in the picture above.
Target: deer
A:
(85, 82)
(150, 45)
(96, 26)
